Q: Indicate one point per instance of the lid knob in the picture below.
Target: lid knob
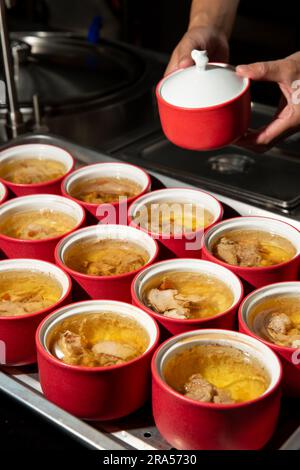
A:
(201, 59)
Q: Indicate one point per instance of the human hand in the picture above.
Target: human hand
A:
(204, 38)
(286, 73)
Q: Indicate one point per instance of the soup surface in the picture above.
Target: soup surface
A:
(31, 170)
(105, 257)
(98, 339)
(105, 190)
(36, 225)
(213, 373)
(23, 292)
(277, 319)
(187, 295)
(173, 217)
(253, 248)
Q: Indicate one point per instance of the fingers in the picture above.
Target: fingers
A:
(275, 71)
(283, 125)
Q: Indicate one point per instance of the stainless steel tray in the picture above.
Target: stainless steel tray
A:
(138, 430)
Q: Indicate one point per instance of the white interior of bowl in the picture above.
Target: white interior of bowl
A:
(43, 201)
(253, 223)
(283, 288)
(181, 196)
(254, 348)
(37, 266)
(194, 89)
(108, 232)
(98, 306)
(104, 170)
(39, 151)
(188, 265)
(2, 191)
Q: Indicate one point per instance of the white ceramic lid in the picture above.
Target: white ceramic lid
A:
(202, 85)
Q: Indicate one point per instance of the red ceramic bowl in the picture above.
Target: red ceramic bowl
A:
(190, 425)
(256, 277)
(184, 244)
(106, 287)
(112, 213)
(17, 333)
(39, 249)
(173, 326)
(96, 393)
(39, 151)
(204, 128)
(290, 357)
(3, 193)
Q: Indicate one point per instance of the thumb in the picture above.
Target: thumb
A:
(274, 71)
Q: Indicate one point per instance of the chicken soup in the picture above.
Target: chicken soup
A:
(173, 217)
(24, 292)
(98, 340)
(105, 190)
(213, 373)
(187, 295)
(253, 248)
(105, 257)
(277, 319)
(36, 224)
(31, 170)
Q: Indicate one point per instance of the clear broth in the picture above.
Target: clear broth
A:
(31, 170)
(105, 257)
(99, 339)
(105, 190)
(23, 292)
(225, 367)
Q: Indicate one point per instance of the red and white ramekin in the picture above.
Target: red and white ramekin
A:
(205, 128)
(191, 425)
(17, 333)
(39, 249)
(106, 287)
(184, 245)
(174, 326)
(3, 193)
(115, 212)
(96, 393)
(39, 151)
(257, 276)
(290, 357)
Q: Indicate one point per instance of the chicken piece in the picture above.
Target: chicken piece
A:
(163, 300)
(223, 397)
(70, 346)
(171, 304)
(35, 231)
(116, 350)
(279, 324)
(226, 250)
(13, 309)
(199, 389)
(248, 254)
(180, 313)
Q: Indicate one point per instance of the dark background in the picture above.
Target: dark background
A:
(263, 31)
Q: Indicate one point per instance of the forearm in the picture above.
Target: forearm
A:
(214, 13)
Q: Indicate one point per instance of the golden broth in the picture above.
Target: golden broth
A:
(105, 257)
(277, 319)
(187, 294)
(98, 339)
(36, 225)
(23, 292)
(31, 170)
(174, 217)
(253, 248)
(227, 370)
(105, 190)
